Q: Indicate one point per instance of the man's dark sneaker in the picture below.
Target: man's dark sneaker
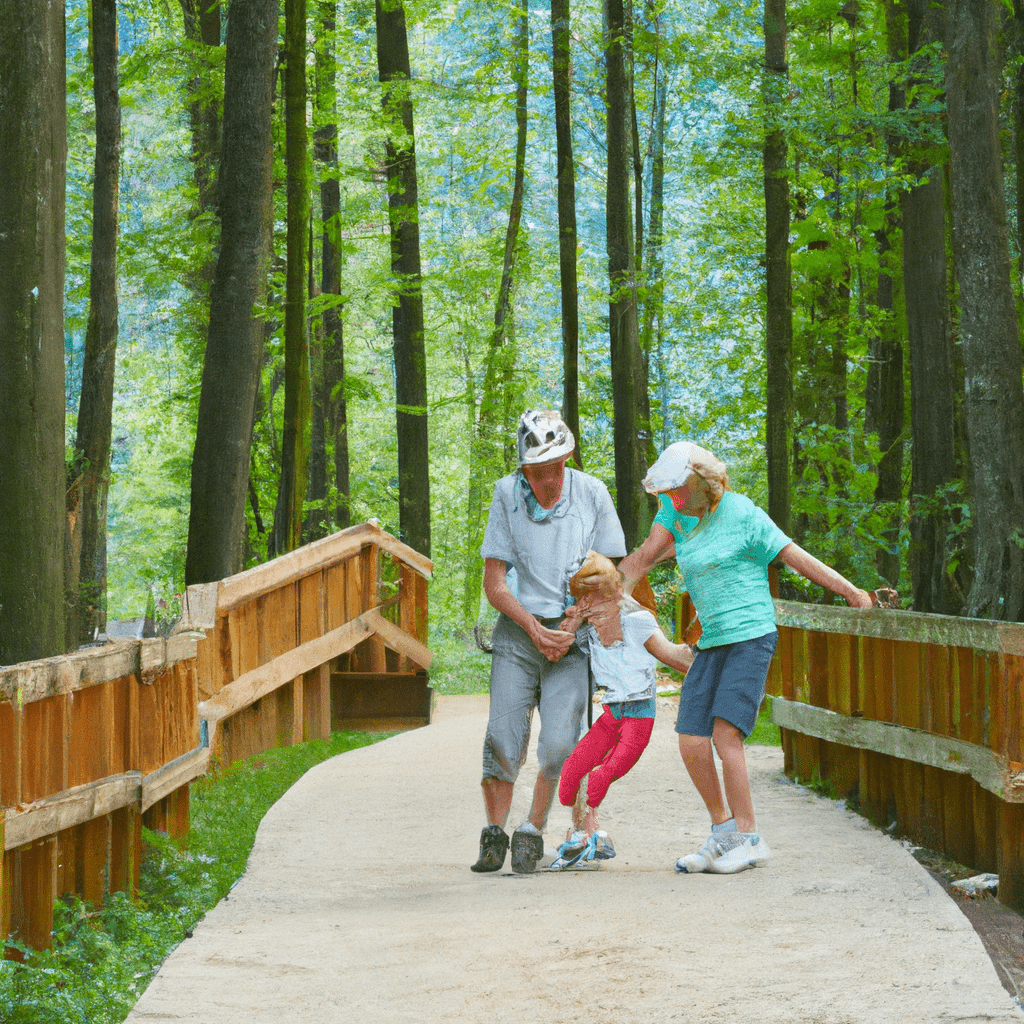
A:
(527, 849)
(493, 847)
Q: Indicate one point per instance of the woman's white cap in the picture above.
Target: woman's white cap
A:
(678, 462)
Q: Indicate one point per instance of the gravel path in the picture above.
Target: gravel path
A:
(358, 905)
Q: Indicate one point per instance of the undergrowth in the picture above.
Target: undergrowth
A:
(101, 961)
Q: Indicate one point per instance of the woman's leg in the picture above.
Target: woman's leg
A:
(699, 759)
(729, 744)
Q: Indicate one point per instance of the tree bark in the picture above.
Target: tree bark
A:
(295, 434)
(231, 370)
(33, 138)
(407, 313)
(990, 341)
(500, 358)
(326, 149)
(884, 410)
(925, 288)
(95, 410)
(624, 340)
(561, 62)
(778, 277)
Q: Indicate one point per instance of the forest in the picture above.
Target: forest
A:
(275, 267)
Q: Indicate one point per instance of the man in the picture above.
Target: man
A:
(543, 520)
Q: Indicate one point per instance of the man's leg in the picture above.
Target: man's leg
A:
(497, 800)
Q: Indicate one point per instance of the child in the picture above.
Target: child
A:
(625, 644)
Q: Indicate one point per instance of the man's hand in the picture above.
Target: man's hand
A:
(552, 643)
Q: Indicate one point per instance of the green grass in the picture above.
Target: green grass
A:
(101, 961)
(765, 732)
(459, 666)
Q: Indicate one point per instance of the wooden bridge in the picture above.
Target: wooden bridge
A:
(98, 743)
(916, 718)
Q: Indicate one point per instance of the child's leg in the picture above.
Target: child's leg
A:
(590, 751)
(634, 735)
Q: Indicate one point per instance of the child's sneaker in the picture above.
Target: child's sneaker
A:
(717, 846)
(752, 852)
(604, 848)
(527, 849)
(576, 851)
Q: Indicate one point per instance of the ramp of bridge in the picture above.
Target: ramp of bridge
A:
(358, 905)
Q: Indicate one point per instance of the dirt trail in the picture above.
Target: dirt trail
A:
(359, 905)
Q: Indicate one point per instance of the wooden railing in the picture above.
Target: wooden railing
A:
(98, 743)
(916, 720)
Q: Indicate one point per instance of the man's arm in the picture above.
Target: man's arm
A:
(825, 576)
(552, 643)
(659, 545)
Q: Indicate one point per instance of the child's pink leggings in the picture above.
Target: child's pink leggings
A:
(608, 751)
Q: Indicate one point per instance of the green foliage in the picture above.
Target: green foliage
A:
(102, 961)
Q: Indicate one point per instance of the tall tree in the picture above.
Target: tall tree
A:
(326, 151)
(32, 179)
(496, 390)
(92, 447)
(994, 395)
(627, 375)
(925, 288)
(884, 410)
(778, 276)
(561, 63)
(295, 435)
(407, 313)
(234, 349)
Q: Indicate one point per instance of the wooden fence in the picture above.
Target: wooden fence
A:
(98, 743)
(916, 719)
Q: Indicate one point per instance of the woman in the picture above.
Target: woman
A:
(723, 545)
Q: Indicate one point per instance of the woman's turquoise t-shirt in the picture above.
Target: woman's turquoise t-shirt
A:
(724, 564)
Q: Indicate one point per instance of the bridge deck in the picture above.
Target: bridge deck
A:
(358, 905)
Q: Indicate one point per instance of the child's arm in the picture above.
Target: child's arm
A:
(677, 656)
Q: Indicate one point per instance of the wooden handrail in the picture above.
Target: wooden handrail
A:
(917, 627)
(205, 601)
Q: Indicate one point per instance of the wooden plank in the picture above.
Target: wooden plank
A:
(74, 806)
(253, 685)
(298, 709)
(400, 641)
(290, 567)
(1010, 865)
(33, 893)
(95, 841)
(179, 772)
(947, 630)
(988, 769)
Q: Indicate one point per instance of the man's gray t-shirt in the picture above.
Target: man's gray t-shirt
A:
(546, 554)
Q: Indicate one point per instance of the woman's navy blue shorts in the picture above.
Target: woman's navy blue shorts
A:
(726, 682)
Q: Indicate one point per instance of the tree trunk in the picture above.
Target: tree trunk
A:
(884, 396)
(652, 338)
(231, 370)
(779, 309)
(295, 434)
(33, 142)
(92, 448)
(561, 61)
(989, 334)
(326, 148)
(500, 359)
(925, 287)
(202, 19)
(407, 314)
(626, 367)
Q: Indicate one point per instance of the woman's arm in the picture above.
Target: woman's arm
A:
(818, 572)
(659, 545)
